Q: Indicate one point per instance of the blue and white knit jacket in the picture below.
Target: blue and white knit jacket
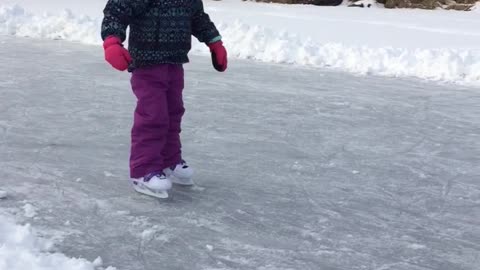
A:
(160, 30)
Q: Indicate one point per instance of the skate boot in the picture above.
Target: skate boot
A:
(180, 174)
(154, 184)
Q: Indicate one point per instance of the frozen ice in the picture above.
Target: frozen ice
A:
(274, 148)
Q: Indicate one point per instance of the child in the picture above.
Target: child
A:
(159, 41)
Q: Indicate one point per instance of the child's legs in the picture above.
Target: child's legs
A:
(151, 120)
(172, 151)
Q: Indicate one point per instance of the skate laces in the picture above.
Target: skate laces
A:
(149, 176)
(183, 163)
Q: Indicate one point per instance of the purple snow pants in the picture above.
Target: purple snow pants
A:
(157, 120)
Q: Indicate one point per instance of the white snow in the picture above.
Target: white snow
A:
(476, 9)
(98, 262)
(30, 210)
(148, 234)
(21, 249)
(434, 45)
(64, 25)
(3, 194)
(368, 4)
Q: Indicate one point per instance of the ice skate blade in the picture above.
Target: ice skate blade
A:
(148, 192)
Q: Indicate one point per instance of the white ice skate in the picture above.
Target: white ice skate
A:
(155, 185)
(180, 174)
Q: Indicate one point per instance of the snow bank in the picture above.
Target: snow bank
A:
(269, 45)
(476, 9)
(21, 249)
(14, 20)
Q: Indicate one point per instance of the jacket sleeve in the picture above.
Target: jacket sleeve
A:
(202, 27)
(118, 15)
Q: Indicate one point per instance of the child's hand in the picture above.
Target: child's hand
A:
(219, 56)
(116, 54)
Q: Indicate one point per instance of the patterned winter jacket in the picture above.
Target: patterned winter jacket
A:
(160, 30)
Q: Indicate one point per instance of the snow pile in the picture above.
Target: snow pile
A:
(267, 45)
(476, 8)
(21, 249)
(14, 20)
(247, 41)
